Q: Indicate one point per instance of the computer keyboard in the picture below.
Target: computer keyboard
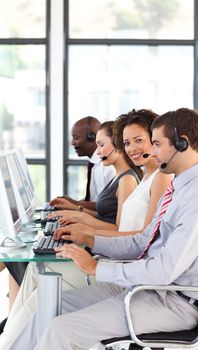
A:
(47, 207)
(44, 216)
(46, 245)
(50, 227)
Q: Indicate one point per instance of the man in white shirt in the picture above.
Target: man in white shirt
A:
(83, 140)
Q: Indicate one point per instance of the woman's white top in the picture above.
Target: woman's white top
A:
(135, 207)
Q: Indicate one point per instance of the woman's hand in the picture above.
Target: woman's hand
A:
(80, 257)
(65, 216)
(60, 202)
(78, 233)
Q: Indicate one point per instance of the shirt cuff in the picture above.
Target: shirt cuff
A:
(105, 271)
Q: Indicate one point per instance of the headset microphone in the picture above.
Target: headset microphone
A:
(106, 157)
(164, 165)
(146, 155)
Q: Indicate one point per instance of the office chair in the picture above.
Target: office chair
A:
(180, 339)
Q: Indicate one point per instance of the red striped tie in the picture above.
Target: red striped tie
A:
(167, 199)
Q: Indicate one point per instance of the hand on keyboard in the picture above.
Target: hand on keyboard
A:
(67, 216)
(74, 233)
(63, 203)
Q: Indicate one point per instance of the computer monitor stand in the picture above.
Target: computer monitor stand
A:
(28, 234)
(8, 244)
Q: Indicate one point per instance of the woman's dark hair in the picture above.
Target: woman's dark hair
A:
(109, 130)
(142, 117)
(108, 127)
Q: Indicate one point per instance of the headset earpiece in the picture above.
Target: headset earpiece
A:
(91, 136)
(180, 143)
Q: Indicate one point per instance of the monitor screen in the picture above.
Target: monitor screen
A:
(18, 180)
(9, 189)
(24, 171)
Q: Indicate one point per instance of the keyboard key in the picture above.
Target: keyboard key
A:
(50, 227)
(46, 245)
(47, 206)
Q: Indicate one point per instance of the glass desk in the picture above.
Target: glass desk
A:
(50, 303)
(27, 254)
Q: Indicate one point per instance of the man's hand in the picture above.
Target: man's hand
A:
(75, 233)
(80, 257)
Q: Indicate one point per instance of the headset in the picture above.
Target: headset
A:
(180, 143)
(91, 135)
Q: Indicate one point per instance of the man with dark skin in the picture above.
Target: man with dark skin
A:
(79, 132)
(83, 140)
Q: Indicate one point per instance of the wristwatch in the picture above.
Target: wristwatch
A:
(80, 208)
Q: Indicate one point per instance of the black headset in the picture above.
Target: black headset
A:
(91, 135)
(180, 143)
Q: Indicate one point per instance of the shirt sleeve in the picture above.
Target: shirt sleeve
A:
(165, 265)
(122, 247)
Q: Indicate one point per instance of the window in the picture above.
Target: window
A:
(126, 54)
(23, 98)
(118, 55)
(134, 19)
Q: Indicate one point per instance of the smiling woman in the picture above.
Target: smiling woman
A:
(133, 133)
(110, 200)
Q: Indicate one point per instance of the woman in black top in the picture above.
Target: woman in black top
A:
(110, 200)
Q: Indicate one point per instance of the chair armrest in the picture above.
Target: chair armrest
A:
(130, 322)
(102, 259)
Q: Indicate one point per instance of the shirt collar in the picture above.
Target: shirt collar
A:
(185, 177)
(95, 159)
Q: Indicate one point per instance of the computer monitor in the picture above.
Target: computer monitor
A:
(27, 177)
(24, 204)
(10, 221)
(25, 174)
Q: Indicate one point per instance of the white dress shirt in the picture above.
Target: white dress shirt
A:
(172, 258)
